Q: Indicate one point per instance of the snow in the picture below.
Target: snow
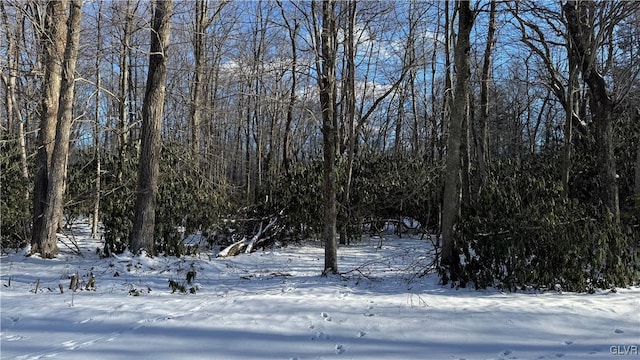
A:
(274, 305)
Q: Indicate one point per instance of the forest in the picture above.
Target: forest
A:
(507, 132)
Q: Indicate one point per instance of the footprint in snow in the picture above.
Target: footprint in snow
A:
(361, 334)
(71, 345)
(369, 313)
(340, 349)
(320, 336)
(568, 342)
(618, 331)
(14, 337)
(13, 319)
(325, 316)
(507, 353)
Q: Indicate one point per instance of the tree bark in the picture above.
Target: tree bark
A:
(349, 112)
(58, 173)
(123, 91)
(286, 141)
(142, 235)
(581, 31)
(14, 116)
(196, 86)
(482, 140)
(327, 83)
(637, 174)
(53, 41)
(459, 112)
(97, 132)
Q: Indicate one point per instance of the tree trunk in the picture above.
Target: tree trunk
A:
(637, 175)
(571, 103)
(350, 113)
(329, 128)
(9, 82)
(123, 91)
(196, 86)
(58, 173)
(141, 237)
(14, 116)
(286, 141)
(601, 105)
(482, 140)
(602, 108)
(96, 132)
(53, 40)
(448, 81)
(434, 146)
(459, 112)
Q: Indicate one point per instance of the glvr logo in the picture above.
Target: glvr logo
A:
(624, 350)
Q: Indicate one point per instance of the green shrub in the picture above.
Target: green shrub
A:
(15, 199)
(187, 200)
(523, 233)
(118, 202)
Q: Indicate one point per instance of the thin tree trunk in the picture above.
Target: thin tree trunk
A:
(637, 175)
(124, 99)
(96, 132)
(53, 40)
(571, 104)
(573, 91)
(14, 115)
(482, 148)
(247, 154)
(434, 146)
(286, 142)
(448, 81)
(350, 112)
(12, 63)
(329, 128)
(459, 112)
(142, 235)
(198, 54)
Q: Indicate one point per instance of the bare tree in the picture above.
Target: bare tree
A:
(97, 126)
(202, 23)
(459, 113)
(567, 91)
(293, 28)
(53, 44)
(9, 78)
(482, 141)
(58, 172)
(124, 85)
(327, 84)
(590, 25)
(141, 237)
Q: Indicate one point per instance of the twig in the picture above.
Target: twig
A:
(73, 241)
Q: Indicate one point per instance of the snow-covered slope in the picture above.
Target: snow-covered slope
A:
(274, 305)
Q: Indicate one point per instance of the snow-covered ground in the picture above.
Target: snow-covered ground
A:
(274, 305)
